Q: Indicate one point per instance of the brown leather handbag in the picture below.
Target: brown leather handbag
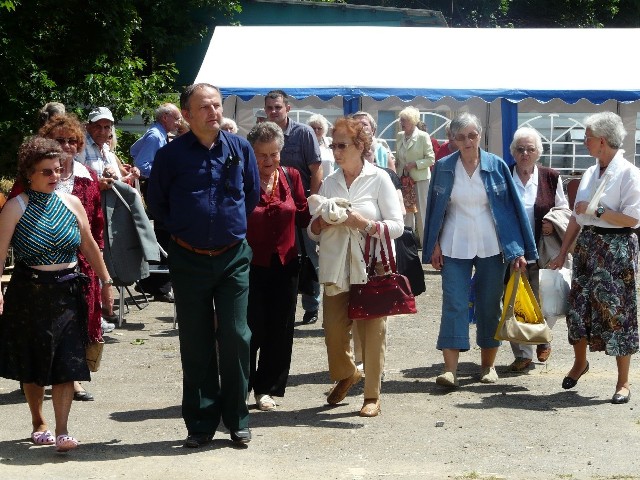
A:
(382, 295)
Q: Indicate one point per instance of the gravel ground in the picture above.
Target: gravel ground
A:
(524, 427)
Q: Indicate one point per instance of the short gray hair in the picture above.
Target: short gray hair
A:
(165, 108)
(372, 122)
(463, 120)
(266, 132)
(317, 119)
(523, 132)
(607, 125)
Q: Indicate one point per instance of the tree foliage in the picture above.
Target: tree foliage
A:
(87, 53)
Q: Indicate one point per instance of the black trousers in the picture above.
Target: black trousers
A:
(273, 293)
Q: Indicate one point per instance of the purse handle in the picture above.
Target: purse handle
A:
(390, 265)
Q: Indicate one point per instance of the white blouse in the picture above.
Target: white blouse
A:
(469, 230)
(621, 193)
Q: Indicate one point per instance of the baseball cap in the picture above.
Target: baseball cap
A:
(99, 113)
(260, 113)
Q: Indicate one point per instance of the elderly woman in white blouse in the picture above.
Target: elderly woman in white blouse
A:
(540, 189)
(475, 221)
(320, 127)
(373, 201)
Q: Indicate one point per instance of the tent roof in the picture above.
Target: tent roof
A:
(570, 64)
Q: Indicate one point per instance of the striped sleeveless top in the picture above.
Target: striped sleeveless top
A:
(47, 233)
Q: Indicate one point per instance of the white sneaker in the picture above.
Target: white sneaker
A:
(107, 327)
(265, 402)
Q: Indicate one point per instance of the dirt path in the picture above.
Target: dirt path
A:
(524, 427)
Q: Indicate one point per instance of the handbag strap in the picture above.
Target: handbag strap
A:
(370, 263)
(390, 265)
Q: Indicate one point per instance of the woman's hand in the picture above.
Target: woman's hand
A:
(547, 227)
(410, 166)
(557, 262)
(581, 207)
(107, 297)
(437, 260)
(355, 220)
(318, 225)
(520, 263)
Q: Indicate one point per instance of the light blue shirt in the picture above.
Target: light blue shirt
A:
(145, 148)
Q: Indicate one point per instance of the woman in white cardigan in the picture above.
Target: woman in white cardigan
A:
(373, 201)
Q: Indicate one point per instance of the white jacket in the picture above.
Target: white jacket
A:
(341, 254)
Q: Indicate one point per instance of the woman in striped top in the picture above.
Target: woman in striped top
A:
(43, 330)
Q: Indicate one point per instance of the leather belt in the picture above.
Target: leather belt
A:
(609, 231)
(201, 251)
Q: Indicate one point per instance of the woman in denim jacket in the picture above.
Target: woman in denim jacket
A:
(475, 219)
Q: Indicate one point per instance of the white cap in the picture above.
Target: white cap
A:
(100, 113)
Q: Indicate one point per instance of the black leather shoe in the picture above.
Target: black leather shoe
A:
(164, 297)
(310, 317)
(241, 436)
(195, 440)
(618, 398)
(569, 382)
(83, 396)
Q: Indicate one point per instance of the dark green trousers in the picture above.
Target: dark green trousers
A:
(212, 388)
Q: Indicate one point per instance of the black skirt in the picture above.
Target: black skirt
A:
(43, 330)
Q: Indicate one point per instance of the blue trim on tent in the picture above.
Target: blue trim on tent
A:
(435, 94)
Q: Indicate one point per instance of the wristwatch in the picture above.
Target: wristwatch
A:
(599, 211)
(108, 282)
(370, 226)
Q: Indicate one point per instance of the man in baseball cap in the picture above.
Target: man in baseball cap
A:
(100, 113)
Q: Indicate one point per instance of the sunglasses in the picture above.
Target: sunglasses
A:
(47, 172)
(68, 141)
(471, 136)
(339, 146)
(529, 150)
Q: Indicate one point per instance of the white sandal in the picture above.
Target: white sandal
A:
(265, 403)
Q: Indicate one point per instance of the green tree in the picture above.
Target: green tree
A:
(87, 53)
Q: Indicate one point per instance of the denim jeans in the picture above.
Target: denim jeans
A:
(454, 323)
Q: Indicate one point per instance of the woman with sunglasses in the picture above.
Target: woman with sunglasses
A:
(475, 220)
(540, 189)
(373, 202)
(43, 330)
(78, 180)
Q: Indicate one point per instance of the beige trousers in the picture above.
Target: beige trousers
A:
(337, 337)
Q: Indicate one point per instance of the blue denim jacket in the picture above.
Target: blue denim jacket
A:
(512, 225)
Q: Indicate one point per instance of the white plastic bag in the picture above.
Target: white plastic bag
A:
(553, 292)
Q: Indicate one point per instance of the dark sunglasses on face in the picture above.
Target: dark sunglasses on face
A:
(339, 146)
(69, 141)
(47, 172)
(471, 136)
(529, 150)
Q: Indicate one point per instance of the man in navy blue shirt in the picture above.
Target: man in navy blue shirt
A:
(202, 187)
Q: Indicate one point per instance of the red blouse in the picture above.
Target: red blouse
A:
(271, 227)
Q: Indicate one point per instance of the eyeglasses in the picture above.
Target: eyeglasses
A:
(587, 137)
(471, 136)
(69, 141)
(339, 146)
(316, 128)
(47, 172)
(529, 150)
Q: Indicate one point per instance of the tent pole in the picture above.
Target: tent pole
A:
(509, 112)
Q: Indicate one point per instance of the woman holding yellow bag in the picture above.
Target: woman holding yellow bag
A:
(475, 219)
(602, 302)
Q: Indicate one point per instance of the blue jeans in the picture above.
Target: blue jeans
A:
(454, 323)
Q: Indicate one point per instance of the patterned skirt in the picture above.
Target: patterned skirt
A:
(43, 330)
(603, 306)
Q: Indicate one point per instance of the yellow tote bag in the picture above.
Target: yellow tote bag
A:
(522, 320)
